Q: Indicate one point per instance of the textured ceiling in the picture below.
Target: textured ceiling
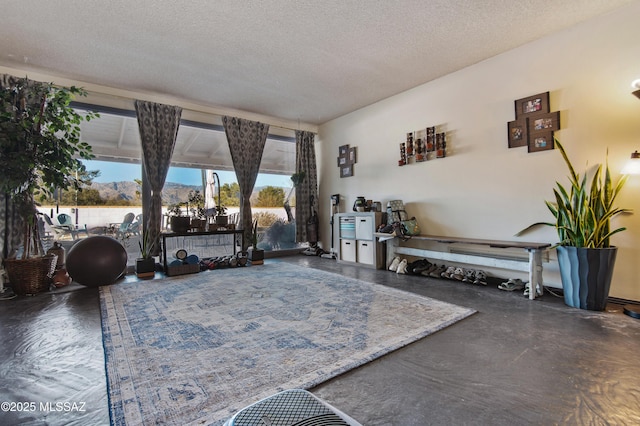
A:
(298, 60)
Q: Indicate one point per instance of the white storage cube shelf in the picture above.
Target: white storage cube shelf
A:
(357, 242)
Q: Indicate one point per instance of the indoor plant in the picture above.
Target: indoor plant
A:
(41, 150)
(179, 224)
(221, 215)
(146, 264)
(256, 255)
(582, 219)
(196, 207)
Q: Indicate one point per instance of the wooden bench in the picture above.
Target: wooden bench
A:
(533, 266)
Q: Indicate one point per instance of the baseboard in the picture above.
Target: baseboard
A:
(620, 301)
(614, 300)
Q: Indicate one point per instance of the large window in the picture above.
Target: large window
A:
(199, 146)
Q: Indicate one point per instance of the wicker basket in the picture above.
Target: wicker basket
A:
(31, 276)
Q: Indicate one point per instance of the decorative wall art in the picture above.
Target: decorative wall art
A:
(346, 160)
(422, 145)
(534, 124)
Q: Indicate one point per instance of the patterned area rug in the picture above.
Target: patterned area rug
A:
(197, 348)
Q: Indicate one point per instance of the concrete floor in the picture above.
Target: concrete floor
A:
(514, 362)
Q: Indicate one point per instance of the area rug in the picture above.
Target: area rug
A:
(197, 348)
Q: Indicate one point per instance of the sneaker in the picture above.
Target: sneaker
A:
(437, 273)
(513, 284)
(416, 267)
(528, 288)
(402, 267)
(448, 273)
(7, 294)
(458, 274)
(394, 264)
(427, 272)
(469, 276)
(481, 278)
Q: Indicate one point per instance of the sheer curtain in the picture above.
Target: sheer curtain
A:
(246, 142)
(307, 190)
(158, 125)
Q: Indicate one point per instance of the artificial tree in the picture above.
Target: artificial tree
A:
(41, 150)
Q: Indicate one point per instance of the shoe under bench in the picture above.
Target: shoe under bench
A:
(494, 259)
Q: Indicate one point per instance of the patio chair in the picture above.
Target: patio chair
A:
(59, 231)
(67, 221)
(234, 219)
(124, 229)
(136, 226)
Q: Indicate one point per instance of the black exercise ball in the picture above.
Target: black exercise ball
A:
(96, 260)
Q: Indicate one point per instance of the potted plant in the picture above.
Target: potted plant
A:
(40, 149)
(196, 207)
(256, 255)
(146, 264)
(582, 219)
(179, 224)
(221, 215)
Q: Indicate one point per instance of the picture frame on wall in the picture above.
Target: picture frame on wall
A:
(518, 133)
(549, 121)
(346, 171)
(540, 141)
(532, 105)
(346, 160)
(352, 155)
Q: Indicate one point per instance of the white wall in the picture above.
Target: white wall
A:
(483, 189)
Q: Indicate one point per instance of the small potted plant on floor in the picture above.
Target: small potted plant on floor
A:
(256, 255)
(582, 219)
(146, 263)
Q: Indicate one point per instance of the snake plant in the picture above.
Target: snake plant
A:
(583, 211)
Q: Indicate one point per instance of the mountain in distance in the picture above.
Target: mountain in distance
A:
(172, 192)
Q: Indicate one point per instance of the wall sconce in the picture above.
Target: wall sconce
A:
(632, 166)
(636, 88)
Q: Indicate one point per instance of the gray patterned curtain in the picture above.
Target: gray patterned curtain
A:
(246, 142)
(158, 125)
(307, 190)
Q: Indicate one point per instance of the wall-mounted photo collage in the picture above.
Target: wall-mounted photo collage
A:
(534, 125)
